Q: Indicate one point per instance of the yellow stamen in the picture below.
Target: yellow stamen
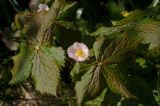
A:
(80, 53)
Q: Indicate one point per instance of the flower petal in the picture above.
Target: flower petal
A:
(42, 7)
(71, 52)
(73, 49)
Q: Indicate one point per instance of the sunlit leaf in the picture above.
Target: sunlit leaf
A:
(45, 70)
(57, 54)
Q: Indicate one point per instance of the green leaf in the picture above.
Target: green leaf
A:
(66, 24)
(119, 48)
(149, 31)
(112, 46)
(78, 70)
(57, 55)
(37, 57)
(45, 70)
(43, 62)
(90, 84)
(97, 46)
(116, 81)
(112, 30)
(66, 9)
(22, 65)
(97, 101)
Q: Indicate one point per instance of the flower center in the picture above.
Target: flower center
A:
(80, 53)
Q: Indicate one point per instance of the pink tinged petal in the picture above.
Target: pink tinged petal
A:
(77, 45)
(42, 7)
(74, 48)
(71, 51)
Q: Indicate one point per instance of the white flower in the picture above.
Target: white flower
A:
(79, 13)
(42, 7)
(78, 51)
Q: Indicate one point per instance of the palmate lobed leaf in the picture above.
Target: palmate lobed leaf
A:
(108, 50)
(39, 59)
(45, 70)
(46, 66)
(116, 49)
(43, 64)
(89, 85)
(132, 88)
